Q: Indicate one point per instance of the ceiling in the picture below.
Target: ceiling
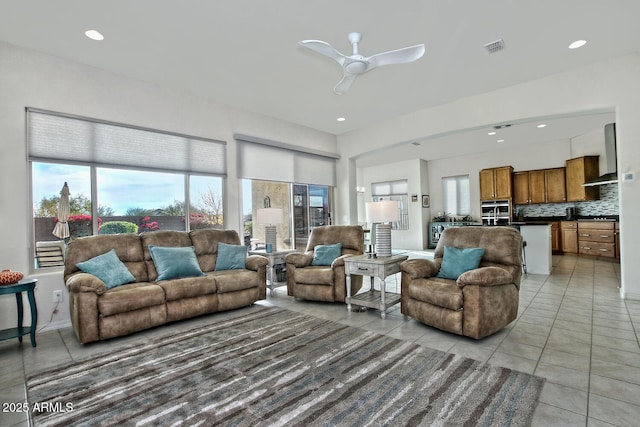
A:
(244, 53)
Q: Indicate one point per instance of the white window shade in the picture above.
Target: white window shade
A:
(456, 195)
(55, 136)
(275, 161)
(389, 188)
(264, 163)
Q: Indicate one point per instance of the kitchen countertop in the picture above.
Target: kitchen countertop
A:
(549, 219)
(530, 222)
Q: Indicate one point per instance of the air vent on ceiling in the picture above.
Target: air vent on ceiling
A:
(496, 127)
(495, 46)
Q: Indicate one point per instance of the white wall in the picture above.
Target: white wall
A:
(590, 144)
(609, 85)
(414, 171)
(32, 79)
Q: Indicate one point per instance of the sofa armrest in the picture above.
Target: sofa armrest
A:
(299, 259)
(419, 268)
(254, 262)
(485, 276)
(84, 282)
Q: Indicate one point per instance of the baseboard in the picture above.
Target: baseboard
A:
(629, 295)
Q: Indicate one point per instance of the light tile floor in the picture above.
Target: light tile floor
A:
(572, 328)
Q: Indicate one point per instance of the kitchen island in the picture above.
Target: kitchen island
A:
(536, 253)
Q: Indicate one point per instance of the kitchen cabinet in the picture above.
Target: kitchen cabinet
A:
(556, 239)
(496, 183)
(521, 188)
(596, 238)
(539, 186)
(555, 185)
(579, 171)
(616, 233)
(569, 236)
(529, 187)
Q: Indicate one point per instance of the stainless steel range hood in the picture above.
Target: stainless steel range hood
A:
(611, 177)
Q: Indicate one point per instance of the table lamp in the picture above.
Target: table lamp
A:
(382, 213)
(268, 217)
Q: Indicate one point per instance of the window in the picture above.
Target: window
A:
(122, 179)
(394, 190)
(455, 195)
(303, 208)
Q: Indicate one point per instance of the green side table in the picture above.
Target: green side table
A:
(28, 286)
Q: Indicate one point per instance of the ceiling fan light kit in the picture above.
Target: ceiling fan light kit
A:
(356, 64)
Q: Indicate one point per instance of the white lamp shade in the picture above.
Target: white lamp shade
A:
(382, 211)
(270, 216)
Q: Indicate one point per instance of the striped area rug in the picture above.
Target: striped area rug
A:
(268, 366)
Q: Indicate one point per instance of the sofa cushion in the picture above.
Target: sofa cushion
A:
(456, 261)
(128, 247)
(314, 275)
(206, 243)
(440, 292)
(166, 238)
(175, 262)
(188, 287)
(108, 268)
(130, 297)
(235, 280)
(231, 257)
(325, 254)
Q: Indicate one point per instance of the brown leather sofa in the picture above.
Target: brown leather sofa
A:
(325, 282)
(481, 301)
(98, 313)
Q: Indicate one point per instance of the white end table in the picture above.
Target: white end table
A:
(380, 267)
(275, 258)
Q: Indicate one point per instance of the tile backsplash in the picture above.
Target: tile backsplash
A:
(607, 205)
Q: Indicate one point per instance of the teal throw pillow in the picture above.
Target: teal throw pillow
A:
(175, 262)
(108, 268)
(456, 261)
(231, 257)
(325, 254)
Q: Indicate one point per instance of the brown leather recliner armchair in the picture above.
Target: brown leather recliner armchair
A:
(481, 301)
(325, 282)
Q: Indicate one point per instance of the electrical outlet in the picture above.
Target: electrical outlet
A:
(57, 296)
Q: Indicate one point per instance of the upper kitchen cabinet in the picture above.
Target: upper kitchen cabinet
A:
(579, 171)
(528, 187)
(556, 185)
(539, 186)
(496, 183)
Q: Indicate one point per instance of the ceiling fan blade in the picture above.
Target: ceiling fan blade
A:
(325, 49)
(343, 85)
(398, 56)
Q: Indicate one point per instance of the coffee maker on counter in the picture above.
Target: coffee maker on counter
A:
(570, 213)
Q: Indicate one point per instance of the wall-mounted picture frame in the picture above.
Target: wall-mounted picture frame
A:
(425, 201)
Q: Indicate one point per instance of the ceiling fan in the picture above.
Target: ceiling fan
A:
(356, 64)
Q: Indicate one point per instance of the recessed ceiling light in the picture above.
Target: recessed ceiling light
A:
(501, 140)
(341, 119)
(578, 43)
(491, 133)
(542, 125)
(94, 35)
